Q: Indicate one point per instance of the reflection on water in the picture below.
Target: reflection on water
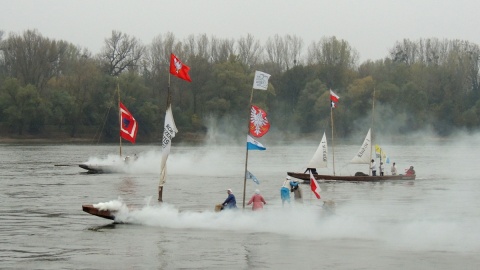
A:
(428, 223)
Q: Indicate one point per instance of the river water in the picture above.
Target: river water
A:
(430, 223)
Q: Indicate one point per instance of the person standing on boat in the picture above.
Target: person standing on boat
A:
(297, 192)
(230, 202)
(382, 168)
(285, 191)
(393, 169)
(373, 167)
(257, 200)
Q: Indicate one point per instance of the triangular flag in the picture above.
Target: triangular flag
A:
(249, 175)
(169, 131)
(253, 144)
(314, 186)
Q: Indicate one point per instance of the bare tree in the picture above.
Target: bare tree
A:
(121, 52)
(222, 49)
(249, 50)
(276, 49)
(332, 52)
(294, 50)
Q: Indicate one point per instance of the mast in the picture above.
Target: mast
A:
(119, 118)
(373, 120)
(169, 101)
(246, 152)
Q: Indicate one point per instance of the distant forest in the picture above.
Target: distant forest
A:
(53, 88)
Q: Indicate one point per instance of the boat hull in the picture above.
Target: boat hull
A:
(367, 178)
(99, 213)
(92, 168)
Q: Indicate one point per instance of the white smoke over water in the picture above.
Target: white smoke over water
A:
(314, 222)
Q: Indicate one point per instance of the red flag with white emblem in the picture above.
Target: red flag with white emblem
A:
(177, 68)
(128, 125)
(259, 124)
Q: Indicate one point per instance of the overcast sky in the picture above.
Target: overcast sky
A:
(370, 26)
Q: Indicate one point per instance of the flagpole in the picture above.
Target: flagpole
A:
(246, 154)
(169, 101)
(333, 141)
(119, 118)
(373, 119)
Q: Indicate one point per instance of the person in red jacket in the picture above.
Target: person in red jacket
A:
(410, 171)
(257, 200)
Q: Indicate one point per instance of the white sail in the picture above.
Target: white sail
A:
(319, 159)
(168, 134)
(365, 153)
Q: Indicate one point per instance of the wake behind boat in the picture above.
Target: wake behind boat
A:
(114, 165)
(128, 131)
(92, 210)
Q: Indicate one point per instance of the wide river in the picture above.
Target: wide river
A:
(430, 223)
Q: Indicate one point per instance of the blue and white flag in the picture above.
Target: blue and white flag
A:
(253, 144)
(249, 175)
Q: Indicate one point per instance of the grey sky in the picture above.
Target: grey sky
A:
(370, 26)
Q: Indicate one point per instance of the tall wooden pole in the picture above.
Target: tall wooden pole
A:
(333, 141)
(373, 121)
(246, 152)
(169, 101)
(119, 118)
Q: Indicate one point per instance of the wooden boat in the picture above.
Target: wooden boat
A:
(106, 210)
(128, 131)
(364, 156)
(363, 178)
(98, 168)
(89, 208)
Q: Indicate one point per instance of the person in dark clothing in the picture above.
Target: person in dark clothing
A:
(230, 202)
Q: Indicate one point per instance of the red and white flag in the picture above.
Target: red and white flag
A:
(334, 99)
(128, 125)
(177, 68)
(314, 186)
(259, 124)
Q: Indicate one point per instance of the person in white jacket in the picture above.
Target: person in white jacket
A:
(393, 169)
(373, 167)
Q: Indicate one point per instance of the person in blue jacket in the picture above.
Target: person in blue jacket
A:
(230, 202)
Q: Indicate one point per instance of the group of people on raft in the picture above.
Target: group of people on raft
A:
(257, 200)
(292, 186)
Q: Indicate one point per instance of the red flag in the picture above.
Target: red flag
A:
(259, 124)
(177, 68)
(314, 186)
(128, 125)
(334, 99)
